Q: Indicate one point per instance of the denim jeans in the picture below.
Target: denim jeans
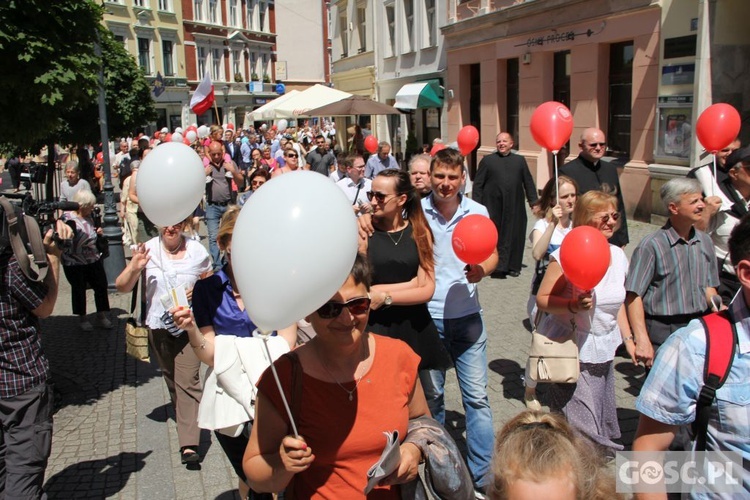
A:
(213, 218)
(466, 341)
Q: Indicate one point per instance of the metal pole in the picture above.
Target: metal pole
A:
(115, 263)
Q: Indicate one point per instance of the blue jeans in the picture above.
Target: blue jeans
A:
(213, 218)
(466, 341)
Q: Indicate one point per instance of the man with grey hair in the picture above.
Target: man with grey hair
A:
(673, 272)
(381, 161)
(419, 173)
(72, 182)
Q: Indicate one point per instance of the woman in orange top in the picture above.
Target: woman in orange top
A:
(355, 386)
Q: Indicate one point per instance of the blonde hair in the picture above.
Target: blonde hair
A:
(84, 198)
(536, 446)
(226, 226)
(591, 202)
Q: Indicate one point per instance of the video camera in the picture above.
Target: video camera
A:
(43, 211)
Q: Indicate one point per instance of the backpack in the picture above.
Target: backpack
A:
(721, 343)
(22, 234)
(125, 169)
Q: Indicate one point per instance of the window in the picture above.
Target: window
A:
(120, 39)
(198, 10)
(409, 17)
(262, 11)
(167, 49)
(390, 16)
(429, 7)
(344, 30)
(561, 79)
(251, 6)
(511, 99)
(620, 92)
(216, 73)
(233, 13)
(165, 5)
(362, 26)
(213, 11)
(201, 54)
(264, 66)
(140, 3)
(236, 63)
(144, 54)
(253, 64)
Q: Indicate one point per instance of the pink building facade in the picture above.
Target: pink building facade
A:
(600, 58)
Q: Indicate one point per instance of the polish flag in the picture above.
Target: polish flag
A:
(203, 98)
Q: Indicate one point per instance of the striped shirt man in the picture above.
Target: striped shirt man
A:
(671, 276)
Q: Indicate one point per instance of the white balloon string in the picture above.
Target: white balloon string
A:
(265, 336)
(557, 185)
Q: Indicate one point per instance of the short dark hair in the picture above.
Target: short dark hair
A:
(449, 157)
(361, 271)
(320, 136)
(739, 241)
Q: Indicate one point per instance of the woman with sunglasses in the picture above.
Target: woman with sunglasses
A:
(168, 262)
(218, 310)
(256, 180)
(400, 252)
(291, 161)
(556, 206)
(354, 386)
(600, 323)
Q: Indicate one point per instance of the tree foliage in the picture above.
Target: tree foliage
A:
(50, 74)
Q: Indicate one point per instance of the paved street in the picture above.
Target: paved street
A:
(115, 435)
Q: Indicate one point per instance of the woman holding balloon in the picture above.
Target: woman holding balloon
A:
(583, 290)
(556, 207)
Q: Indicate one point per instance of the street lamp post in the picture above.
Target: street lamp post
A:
(115, 263)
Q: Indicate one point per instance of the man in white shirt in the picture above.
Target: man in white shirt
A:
(355, 186)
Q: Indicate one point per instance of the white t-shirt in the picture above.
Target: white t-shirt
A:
(554, 243)
(598, 332)
(160, 270)
(358, 190)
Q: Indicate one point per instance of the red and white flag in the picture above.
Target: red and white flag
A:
(203, 98)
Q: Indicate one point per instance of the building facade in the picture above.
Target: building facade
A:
(235, 42)
(151, 30)
(631, 68)
(302, 43)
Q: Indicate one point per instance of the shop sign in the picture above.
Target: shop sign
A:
(556, 37)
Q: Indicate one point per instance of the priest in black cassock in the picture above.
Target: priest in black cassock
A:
(591, 172)
(500, 183)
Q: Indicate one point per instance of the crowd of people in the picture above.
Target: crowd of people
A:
(410, 310)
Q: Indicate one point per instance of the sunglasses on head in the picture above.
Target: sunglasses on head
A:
(614, 216)
(330, 310)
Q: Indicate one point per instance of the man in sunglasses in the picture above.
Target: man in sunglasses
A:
(591, 173)
(717, 187)
(673, 272)
(321, 159)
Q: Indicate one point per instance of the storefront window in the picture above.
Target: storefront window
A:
(620, 92)
(511, 100)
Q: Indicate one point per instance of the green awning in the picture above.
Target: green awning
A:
(427, 94)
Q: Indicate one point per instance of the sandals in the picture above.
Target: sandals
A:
(189, 456)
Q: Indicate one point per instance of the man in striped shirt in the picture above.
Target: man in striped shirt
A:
(673, 272)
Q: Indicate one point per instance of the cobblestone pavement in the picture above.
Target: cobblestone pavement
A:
(114, 432)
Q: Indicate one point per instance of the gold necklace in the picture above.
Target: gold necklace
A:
(322, 363)
(398, 240)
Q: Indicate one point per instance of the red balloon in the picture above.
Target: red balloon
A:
(474, 239)
(371, 144)
(437, 147)
(718, 126)
(168, 138)
(193, 128)
(584, 257)
(100, 157)
(551, 125)
(186, 141)
(468, 138)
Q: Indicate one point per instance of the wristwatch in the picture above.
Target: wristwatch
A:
(388, 299)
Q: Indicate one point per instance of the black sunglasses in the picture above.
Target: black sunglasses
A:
(291, 156)
(378, 196)
(595, 144)
(332, 309)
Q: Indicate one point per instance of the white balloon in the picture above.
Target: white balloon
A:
(176, 137)
(191, 135)
(282, 125)
(203, 131)
(178, 130)
(304, 223)
(170, 183)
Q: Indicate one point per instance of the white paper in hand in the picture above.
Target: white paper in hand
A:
(388, 462)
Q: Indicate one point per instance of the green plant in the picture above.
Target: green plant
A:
(254, 77)
(266, 79)
(238, 77)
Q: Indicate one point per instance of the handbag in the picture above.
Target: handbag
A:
(136, 335)
(553, 360)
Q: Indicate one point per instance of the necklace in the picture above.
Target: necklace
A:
(397, 240)
(175, 251)
(350, 393)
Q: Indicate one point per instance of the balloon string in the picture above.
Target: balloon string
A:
(265, 336)
(557, 185)
(713, 184)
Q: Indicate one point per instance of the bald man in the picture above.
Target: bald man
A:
(592, 173)
(502, 180)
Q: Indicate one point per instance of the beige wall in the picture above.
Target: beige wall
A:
(300, 41)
